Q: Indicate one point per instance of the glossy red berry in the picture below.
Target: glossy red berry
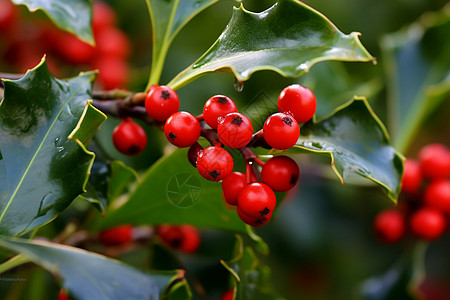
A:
(232, 185)
(235, 130)
(184, 237)
(182, 129)
(129, 137)
(281, 173)
(252, 221)
(389, 226)
(216, 107)
(298, 101)
(116, 236)
(412, 177)
(228, 295)
(161, 102)
(257, 200)
(74, 50)
(214, 163)
(435, 161)
(281, 131)
(428, 223)
(437, 195)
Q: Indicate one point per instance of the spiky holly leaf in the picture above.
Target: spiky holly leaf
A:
(288, 38)
(45, 124)
(74, 16)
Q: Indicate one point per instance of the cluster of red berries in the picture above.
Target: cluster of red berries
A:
(185, 238)
(255, 198)
(426, 193)
(25, 43)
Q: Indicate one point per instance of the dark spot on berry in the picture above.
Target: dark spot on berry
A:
(172, 136)
(293, 179)
(165, 95)
(261, 221)
(222, 100)
(214, 174)
(176, 242)
(287, 121)
(264, 212)
(237, 120)
(133, 149)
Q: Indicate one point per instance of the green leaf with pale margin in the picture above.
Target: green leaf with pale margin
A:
(74, 16)
(87, 275)
(44, 163)
(287, 38)
(357, 144)
(168, 18)
(417, 60)
(401, 281)
(251, 277)
(172, 191)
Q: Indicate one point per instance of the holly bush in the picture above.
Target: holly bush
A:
(99, 199)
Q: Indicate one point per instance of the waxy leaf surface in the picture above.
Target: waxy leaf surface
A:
(357, 144)
(74, 16)
(288, 38)
(88, 275)
(44, 165)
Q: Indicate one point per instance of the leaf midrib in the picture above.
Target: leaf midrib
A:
(35, 155)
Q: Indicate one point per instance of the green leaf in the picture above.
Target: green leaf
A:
(251, 277)
(401, 281)
(357, 144)
(107, 182)
(44, 163)
(88, 275)
(418, 77)
(168, 17)
(287, 38)
(74, 16)
(172, 191)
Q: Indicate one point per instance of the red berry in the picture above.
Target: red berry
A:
(255, 222)
(412, 177)
(435, 161)
(214, 163)
(298, 101)
(437, 195)
(193, 153)
(281, 131)
(182, 129)
(228, 295)
(232, 185)
(216, 107)
(103, 16)
(184, 237)
(281, 173)
(161, 102)
(62, 294)
(74, 49)
(8, 15)
(256, 200)
(389, 226)
(235, 130)
(428, 223)
(112, 42)
(112, 72)
(129, 138)
(116, 236)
